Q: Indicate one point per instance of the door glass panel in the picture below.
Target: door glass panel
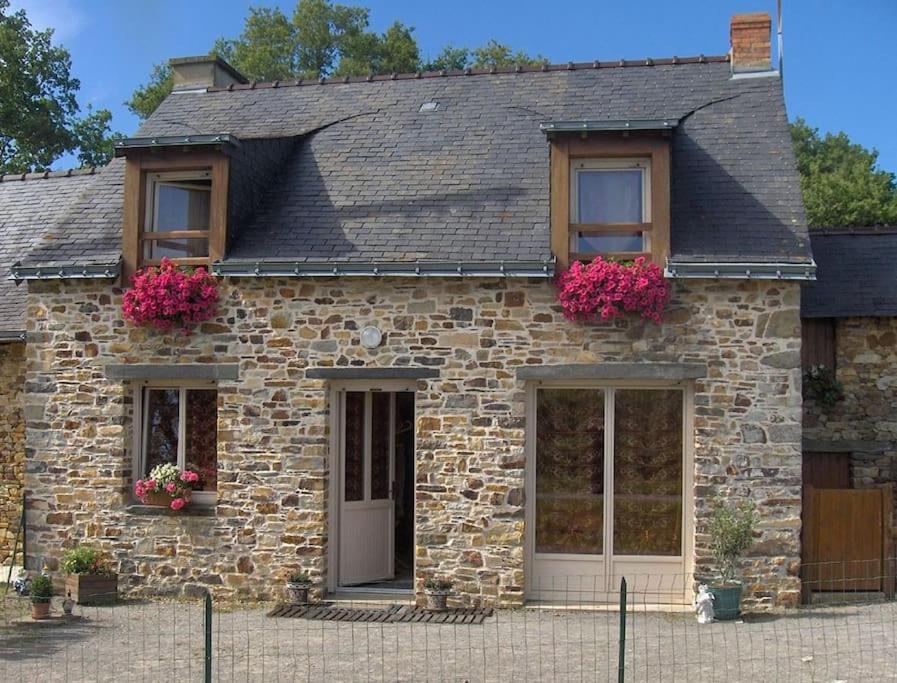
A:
(201, 447)
(380, 445)
(354, 468)
(570, 471)
(162, 424)
(647, 472)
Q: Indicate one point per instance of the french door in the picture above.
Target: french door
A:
(366, 514)
(608, 491)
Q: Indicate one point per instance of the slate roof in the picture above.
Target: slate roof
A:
(856, 274)
(29, 206)
(374, 178)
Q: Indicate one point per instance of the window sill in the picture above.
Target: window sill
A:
(193, 510)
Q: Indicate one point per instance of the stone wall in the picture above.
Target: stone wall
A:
(12, 444)
(274, 430)
(866, 420)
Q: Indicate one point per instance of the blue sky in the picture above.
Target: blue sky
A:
(838, 57)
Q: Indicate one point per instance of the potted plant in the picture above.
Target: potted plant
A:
(298, 585)
(437, 591)
(731, 534)
(41, 594)
(167, 486)
(90, 577)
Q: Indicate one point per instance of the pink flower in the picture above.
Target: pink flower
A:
(165, 297)
(150, 485)
(178, 503)
(170, 487)
(189, 476)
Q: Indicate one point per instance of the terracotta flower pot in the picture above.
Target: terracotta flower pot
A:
(40, 610)
(161, 499)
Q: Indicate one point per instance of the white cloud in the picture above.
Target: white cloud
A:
(63, 16)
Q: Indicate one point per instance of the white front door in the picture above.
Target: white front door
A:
(609, 489)
(367, 453)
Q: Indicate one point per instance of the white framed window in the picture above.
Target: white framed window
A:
(178, 215)
(178, 424)
(610, 206)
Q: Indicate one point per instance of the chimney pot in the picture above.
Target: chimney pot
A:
(206, 71)
(751, 49)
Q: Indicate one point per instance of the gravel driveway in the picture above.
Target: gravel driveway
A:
(156, 641)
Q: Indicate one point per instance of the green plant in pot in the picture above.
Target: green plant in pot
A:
(90, 578)
(731, 534)
(41, 594)
(437, 591)
(298, 585)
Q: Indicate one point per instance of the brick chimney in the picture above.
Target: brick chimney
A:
(750, 38)
(199, 73)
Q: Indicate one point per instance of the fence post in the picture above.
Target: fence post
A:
(207, 664)
(621, 661)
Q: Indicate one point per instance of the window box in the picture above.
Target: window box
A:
(92, 589)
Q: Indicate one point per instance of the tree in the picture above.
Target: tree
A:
(266, 50)
(840, 181)
(495, 54)
(38, 106)
(146, 98)
(450, 59)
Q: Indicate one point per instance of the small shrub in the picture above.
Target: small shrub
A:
(436, 584)
(41, 588)
(821, 385)
(731, 534)
(299, 577)
(85, 560)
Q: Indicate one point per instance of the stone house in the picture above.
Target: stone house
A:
(850, 325)
(389, 390)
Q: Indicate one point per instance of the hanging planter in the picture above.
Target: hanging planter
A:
(606, 289)
(166, 297)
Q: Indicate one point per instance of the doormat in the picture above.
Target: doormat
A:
(392, 614)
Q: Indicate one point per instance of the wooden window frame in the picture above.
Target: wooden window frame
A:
(138, 170)
(138, 459)
(566, 149)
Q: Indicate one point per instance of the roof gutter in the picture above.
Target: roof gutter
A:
(586, 126)
(12, 336)
(740, 271)
(123, 146)
(285, 268)
(73, 271)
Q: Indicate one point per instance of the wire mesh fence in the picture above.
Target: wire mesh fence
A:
(577, 630)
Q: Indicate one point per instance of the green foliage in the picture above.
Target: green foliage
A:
(731, 534)
(85, 560)
(495, 54)
(147, 98)
(41, 588)
(840, 181)
(38, 107)
(324, 39)
(820, 384)
(299, 577)
(437, 584)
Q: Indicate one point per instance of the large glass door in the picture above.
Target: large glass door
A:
(608, 486)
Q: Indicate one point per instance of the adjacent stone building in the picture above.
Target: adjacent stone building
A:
(389, 390)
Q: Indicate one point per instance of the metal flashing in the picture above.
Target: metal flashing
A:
(69, 271)
(607, 126)
(740, 271)
(166, 141)
(286, 268)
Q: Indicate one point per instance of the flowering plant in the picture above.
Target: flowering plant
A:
(170, 480)
(166, 297)
(85, 560)
(605, 289)
(821, 384)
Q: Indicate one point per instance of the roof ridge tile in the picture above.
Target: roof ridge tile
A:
(47, 175)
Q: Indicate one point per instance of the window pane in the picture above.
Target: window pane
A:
(182, 205)
(610, 243)
(647, 472)
(609, 196)
(202, 436)
(176, 248)
(570, 471)
(354, 469)
(380, 446)
(162, 420)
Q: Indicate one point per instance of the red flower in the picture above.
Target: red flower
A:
(607, 289)
(166, 297)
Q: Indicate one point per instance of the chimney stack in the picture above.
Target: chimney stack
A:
(201, 73)
(750, 37)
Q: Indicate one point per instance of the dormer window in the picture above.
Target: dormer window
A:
(609, 202)
(178, 216)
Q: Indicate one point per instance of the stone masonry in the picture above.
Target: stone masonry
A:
(866, 358)
(273, 451)
(12, 444)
